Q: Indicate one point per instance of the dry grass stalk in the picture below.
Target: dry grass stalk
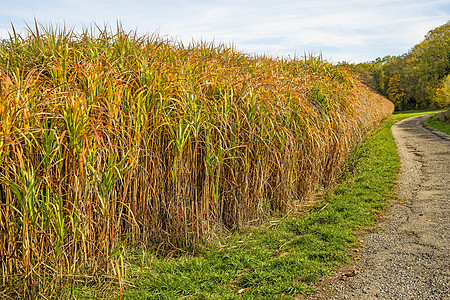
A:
(107, 139)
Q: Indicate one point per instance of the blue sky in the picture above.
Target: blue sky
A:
(347, 30)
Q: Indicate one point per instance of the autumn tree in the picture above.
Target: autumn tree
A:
(443, 93)
(396, 93)
(415, 79)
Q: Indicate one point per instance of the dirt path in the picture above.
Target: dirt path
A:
(408, 257)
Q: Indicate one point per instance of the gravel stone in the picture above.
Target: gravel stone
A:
(407, 257)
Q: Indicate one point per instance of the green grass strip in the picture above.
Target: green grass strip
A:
(283, 258)
(437, 124)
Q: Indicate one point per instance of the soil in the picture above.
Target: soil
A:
(408, 255)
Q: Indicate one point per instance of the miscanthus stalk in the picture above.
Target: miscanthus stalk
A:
(111, 140)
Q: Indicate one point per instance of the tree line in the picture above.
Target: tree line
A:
(417, 79)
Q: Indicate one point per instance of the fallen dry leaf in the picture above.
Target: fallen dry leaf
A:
(352, 273)
(299, 278)
(241, 291)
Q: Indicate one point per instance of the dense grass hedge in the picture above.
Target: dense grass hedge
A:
(109, 139)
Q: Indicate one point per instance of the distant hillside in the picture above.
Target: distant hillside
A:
(417, 79)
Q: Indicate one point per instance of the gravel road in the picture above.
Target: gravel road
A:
(407, 257)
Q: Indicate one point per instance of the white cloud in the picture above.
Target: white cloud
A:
(361, 30)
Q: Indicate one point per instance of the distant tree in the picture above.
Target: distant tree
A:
(443, 93)
(416, 79)
(396, 93)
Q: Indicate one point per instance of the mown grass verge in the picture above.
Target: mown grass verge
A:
(283, 258)
(436, 123)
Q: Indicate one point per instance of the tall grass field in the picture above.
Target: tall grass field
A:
(111, 140)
